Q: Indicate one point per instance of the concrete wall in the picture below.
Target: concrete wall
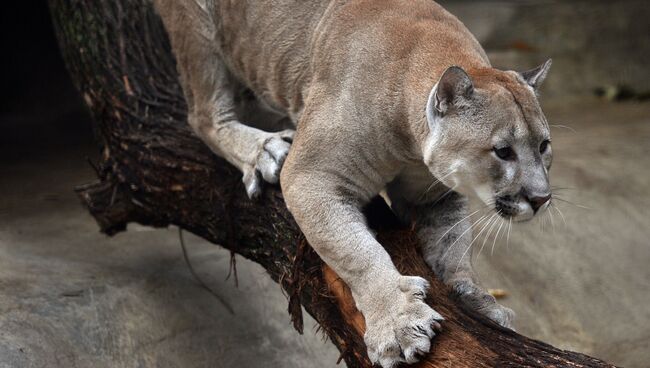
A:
(594, 44)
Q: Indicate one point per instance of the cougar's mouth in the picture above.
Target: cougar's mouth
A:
(506, 207)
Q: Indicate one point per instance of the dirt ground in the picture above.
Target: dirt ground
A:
(71, 297)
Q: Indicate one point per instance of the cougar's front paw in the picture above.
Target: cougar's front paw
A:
(272, 151)
(479, 300)
(399, 325)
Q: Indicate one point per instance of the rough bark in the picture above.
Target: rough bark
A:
(154, 171)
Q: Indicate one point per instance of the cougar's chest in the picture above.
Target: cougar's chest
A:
(415, 184)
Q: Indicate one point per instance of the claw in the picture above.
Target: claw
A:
(269, 167)
(287, 135)
(436, 326)
(253, 184)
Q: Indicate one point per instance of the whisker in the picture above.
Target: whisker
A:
(560, 212)
(456, 224)
(434, 183)
(496, 236)
(443, 196)
(562, 188)
(477, 235)
(472, 242)
(508, 237)
(481, 219)
(569, 202)
(486, 237)
(563, 126)
(550, 215)
(543, 223)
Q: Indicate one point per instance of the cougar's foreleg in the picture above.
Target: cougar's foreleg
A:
(443, 227)
(326, 205)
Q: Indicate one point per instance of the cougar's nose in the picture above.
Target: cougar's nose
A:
(537, 202)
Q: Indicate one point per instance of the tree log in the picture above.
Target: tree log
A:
(154, 171)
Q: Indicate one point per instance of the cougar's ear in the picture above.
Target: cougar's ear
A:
(454, 88)
(535, 77)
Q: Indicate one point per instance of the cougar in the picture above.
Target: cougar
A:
(390, 96)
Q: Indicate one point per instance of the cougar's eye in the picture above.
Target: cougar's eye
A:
(544, 146)
(504, 153)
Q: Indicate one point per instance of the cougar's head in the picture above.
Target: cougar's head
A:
(488, 138)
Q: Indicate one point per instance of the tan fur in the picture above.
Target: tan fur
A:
(369, 87)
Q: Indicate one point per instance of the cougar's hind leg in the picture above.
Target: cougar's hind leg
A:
(257, 153)
(210, 91)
